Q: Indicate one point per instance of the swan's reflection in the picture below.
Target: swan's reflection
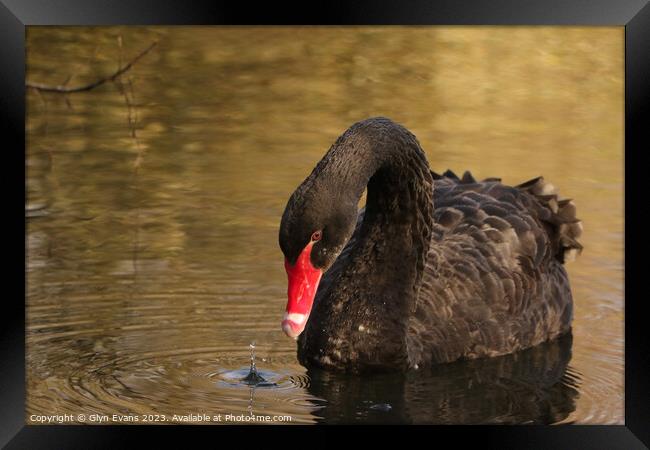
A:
(533, 386)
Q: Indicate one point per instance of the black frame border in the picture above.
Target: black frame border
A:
(634, 15)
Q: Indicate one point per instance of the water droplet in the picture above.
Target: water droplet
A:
(252, 347)
(253, 378)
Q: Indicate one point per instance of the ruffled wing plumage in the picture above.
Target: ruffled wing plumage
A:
(494, 274)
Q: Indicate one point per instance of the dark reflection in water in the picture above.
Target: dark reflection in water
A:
(532, 387)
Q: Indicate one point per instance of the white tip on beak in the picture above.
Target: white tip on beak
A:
(293, 324)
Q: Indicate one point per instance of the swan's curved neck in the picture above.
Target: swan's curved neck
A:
(396, 230)
(376, 287)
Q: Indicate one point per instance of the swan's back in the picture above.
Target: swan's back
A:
(494, 280)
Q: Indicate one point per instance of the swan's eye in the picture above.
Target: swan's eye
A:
(316, 236)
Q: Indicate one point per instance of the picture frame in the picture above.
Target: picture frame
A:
(633, 15)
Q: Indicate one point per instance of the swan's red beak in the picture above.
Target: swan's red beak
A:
(303, 283)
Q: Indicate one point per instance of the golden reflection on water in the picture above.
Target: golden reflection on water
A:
(153, 261)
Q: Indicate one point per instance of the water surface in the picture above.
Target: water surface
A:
(154, 203)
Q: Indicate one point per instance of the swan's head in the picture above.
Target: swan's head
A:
(314, 230)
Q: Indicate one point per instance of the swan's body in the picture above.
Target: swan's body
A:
(434, 269)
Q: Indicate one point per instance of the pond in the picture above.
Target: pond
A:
(154, 202)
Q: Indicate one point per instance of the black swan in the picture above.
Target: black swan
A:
(432, 270)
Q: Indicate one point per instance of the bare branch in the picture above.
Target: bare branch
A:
(62, 89)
